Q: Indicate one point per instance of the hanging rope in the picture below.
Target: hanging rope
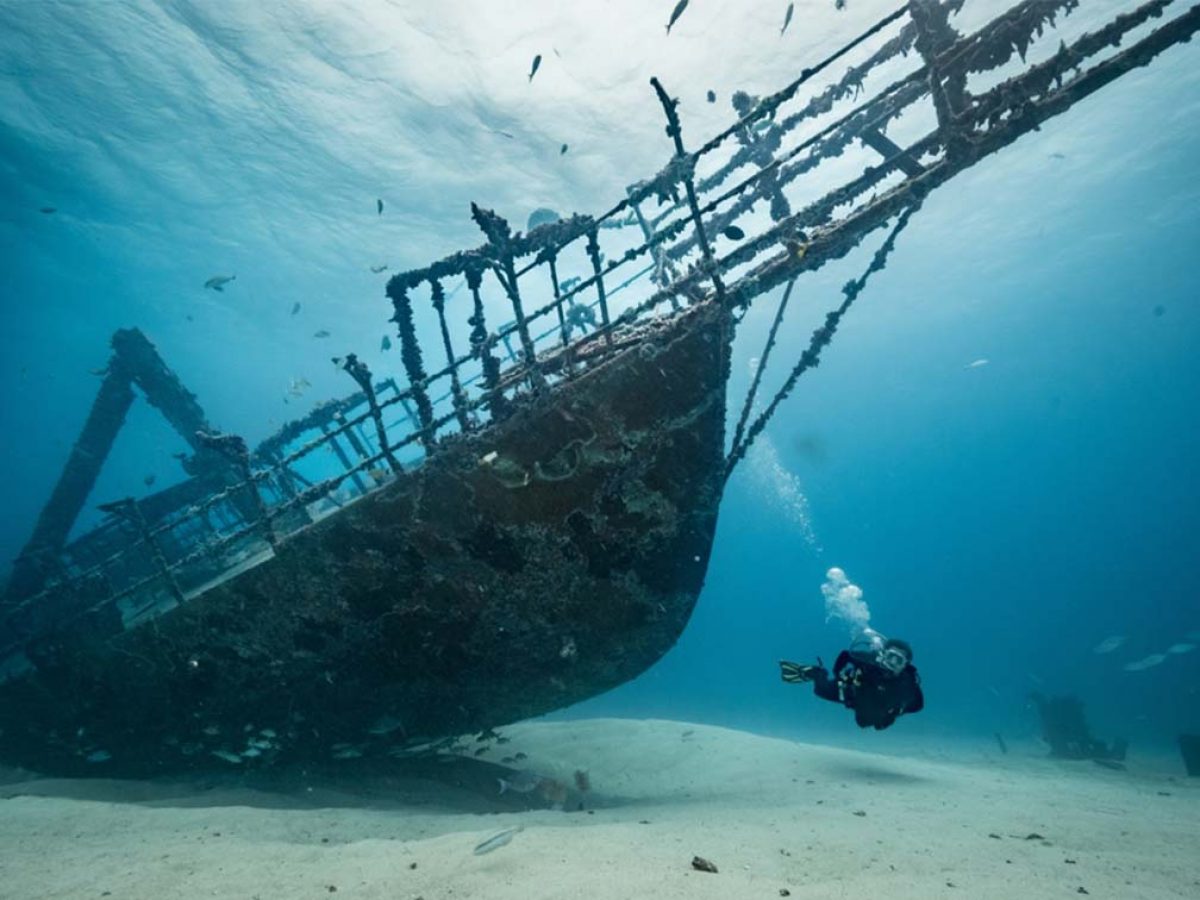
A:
(811, 357)
(762, 363)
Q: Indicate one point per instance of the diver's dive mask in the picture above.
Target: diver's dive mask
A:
(893, 659)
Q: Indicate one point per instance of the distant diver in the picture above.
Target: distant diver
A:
(875, 678)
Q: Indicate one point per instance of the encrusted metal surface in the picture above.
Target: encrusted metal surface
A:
(537, 563)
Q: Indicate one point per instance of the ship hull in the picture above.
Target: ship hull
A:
(523, 568)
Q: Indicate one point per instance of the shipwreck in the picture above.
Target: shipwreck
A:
(527, 521)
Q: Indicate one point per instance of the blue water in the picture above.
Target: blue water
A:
(1004, 518)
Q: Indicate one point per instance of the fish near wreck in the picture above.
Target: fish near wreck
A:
(496, 841)
(218, 282)
(680, 7)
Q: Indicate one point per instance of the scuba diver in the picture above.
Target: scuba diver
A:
(875, 678)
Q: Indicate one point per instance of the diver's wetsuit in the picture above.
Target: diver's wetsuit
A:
(877, 696)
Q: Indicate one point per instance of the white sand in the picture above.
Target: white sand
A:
(771, 814)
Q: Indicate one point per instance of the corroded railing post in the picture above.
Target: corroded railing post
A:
(410, 355)
(552, 260)
(685, 170)
(456, 391)
(129, 510)
(762, 152)
(481, 346)
(593, 251)
(934, 35)
(234, 449)
(343, 458)
(664, 270)
(499, 235)
(360, 373)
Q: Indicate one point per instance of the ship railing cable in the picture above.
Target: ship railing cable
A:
(820, 339)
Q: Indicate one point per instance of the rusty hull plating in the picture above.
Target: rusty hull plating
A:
(539, 562)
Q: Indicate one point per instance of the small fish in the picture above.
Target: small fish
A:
(787, 18)
(1181, 648)
(1147, 662)
(1058, 156)
(99, 756)
(297, 386)
(149, 480)
(797, 248)
(504, 133)
(733, 232)
(678, 11)
(378, 207)
(295, 308)
(537, 62)
(99, 373)
(189, 318)
(520, 756)
(321, 334)
(977, 364)
(711, 96)
(562, 149)
(378, 269)
(379, 474)
(386, 343)
(1159, 311)
(218, 282)
(839, 4)
(48, 210)
(568, 283)
(1109, 644)
(497, 841)
(336, 360)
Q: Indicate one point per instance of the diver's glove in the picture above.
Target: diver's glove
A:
(794, 673)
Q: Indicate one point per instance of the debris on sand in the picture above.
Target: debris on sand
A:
(496, 841)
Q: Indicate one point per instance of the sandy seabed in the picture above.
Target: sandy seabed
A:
(777, 818)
